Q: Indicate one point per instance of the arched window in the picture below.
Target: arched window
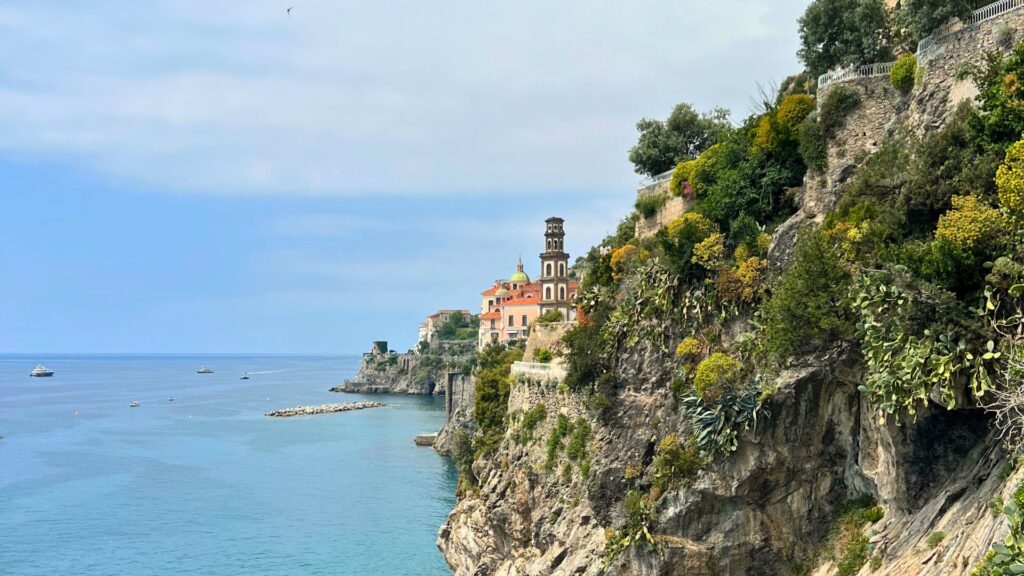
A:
(547, 292)
(561, 269)
(547, 269)
(561, 292)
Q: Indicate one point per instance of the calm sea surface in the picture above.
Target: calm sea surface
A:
(206, 484)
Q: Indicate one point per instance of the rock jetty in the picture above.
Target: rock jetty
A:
(323, 409)
(426, 439)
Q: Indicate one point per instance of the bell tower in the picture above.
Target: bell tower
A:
(554, 269)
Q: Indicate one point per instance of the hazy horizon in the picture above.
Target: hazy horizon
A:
(206, 176)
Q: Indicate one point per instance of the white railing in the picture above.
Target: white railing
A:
(866, 71)
(539, 370)
(653, 180)
(927, 47)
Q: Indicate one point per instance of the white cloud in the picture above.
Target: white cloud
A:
(405, 97)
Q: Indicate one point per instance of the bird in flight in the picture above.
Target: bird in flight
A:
(289, 11)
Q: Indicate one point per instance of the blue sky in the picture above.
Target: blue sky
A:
(216, 177)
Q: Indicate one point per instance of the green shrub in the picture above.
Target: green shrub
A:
(492, 388)
(531, 418)
(542, 355)
(847, 544)
(836, 106)
(576, 450)
(903, 73)
(639, 516)
(935, 538)
(586, 360)
(676, 464)
(807, 308)
(563, 427)
(550, 317)
(462, 456)
(648, 206)
(813, 146)
(716, 375)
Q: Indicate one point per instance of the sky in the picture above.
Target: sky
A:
(217, 177)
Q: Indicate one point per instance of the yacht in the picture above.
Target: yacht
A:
(204, 370)
(41, 371)
(170, 399)
(245, 376)
(134, 404)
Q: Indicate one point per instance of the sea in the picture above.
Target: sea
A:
(206, 484)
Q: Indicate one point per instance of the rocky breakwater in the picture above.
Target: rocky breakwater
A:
(323, 409)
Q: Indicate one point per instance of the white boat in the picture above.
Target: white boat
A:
(41, 371)
(171, 399)
(245, 376)
(134, 404)
(204, 370)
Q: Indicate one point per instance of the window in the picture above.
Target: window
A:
(561, 269)
(547, 292)
(547, 267)
(510, 320)
(524, 320)
(492, 323)
(490, 303)
(561, 292)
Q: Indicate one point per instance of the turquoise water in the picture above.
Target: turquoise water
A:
(207, 484)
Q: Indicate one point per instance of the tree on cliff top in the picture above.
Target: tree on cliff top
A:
(918, 18)
(684, 135)
(842, 33)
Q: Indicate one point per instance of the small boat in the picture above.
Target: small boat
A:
(41, 371)
(245, 376)
(134, 404)
(171, 399)
(204, 370)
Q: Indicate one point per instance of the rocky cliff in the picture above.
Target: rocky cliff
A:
(420, 372)
(774, 505)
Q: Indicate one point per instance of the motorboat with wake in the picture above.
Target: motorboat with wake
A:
(134, 404)
(245, 376)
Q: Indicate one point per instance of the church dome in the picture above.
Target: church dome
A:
(519, 277)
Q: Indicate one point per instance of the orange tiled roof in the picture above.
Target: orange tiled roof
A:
(521, 301)
(490, 291)
(495, 315)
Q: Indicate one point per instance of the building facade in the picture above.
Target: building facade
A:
(509, 307)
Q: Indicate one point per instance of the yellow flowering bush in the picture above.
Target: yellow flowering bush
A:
(1010, 181)
(792, 111)
(716, 375)
(705, 167)
(971, 224)
(752, 274)
(710, 252)
(741, 253)
(688, 350)
(680, 183)
(764, 241)
(691, 227)
(765, 137)
(623, 259)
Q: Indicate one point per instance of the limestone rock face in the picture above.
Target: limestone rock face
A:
(758, 511)
(768, 506)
